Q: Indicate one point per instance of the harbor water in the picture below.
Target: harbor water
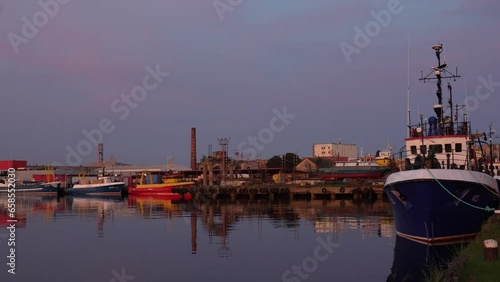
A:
(156, 239)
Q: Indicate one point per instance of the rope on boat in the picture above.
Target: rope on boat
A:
(493, 192)
(488, 209)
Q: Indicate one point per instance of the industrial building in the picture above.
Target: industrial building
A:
(15, 164)
(329, 150)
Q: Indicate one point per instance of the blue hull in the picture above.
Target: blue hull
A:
(425, 212)
(110, 189)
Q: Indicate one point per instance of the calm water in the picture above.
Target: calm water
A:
(154, 239)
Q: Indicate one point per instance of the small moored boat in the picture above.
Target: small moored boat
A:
(157, 184)
(383, 158)
(103, 185)
(32, 187)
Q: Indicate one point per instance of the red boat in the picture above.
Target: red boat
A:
(150, 184)
(340, 172)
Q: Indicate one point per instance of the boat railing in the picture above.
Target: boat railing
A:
(406, 159)
(427, 129)
(27, 183)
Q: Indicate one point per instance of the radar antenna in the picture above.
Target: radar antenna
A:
(441, 73)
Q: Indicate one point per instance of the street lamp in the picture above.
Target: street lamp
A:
(491, 132)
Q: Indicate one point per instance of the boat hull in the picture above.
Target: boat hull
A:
(156, 189)
(33, 188)
(97, 189)
(159, 197)
(425, 212)
(383, 162)
(339, 173)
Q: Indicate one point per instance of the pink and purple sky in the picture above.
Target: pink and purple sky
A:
(228, 73)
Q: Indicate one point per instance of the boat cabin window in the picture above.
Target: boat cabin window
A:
(437, 149)
(458, 147)
(413, 150)
(423, 149)
(447, 148)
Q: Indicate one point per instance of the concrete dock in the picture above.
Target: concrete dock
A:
(367, 191)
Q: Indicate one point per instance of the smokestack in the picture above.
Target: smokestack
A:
(193, 148)
(100, 153)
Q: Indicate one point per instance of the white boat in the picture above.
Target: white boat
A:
(103, 185)
(34, 187)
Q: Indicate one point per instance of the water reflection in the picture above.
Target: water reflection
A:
(414, 261)
(5, 218)
(101, 208)
(154, 207)
(215, 227)
(218, 218)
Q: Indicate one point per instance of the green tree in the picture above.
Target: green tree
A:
(274, 162)
(291, 160)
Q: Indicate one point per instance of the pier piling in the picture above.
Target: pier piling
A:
(289, 192)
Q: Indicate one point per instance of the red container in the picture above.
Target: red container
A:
(16, 164)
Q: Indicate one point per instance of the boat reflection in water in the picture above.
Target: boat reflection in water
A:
(415, 261)
(215, 226)
(100, 207)
(270, 234)
(157, 206)
(5, 219)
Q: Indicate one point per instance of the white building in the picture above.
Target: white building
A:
(335, 150)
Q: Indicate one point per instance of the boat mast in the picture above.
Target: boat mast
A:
(408, 119)
(440, 73)
(466, 120)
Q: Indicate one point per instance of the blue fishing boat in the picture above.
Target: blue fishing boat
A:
(443, 191)
(104, 185)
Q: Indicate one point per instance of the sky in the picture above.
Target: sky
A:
(273, 76)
